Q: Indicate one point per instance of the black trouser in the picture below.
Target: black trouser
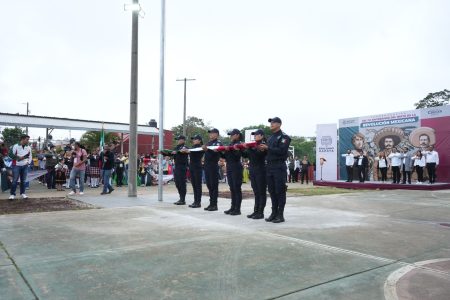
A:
(119, 180)
(349, 173)
(212, 181)
(196, 181)
(291, 175)
(180, 181)
(361, 173)
(50, 178)
(396, 174)
(406, 175)
(296, 172)
(259, 186)
(234, 178)
(431, 167)
(383, 174)
(276, 183)
(419, 171)
(305, 174)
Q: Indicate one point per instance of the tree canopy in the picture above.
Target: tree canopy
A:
(434, 99)
(11, 136)
(91, 139)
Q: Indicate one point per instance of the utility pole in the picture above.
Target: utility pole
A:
(161, 97)
(28, 113)
(132, 167)
(184, 111)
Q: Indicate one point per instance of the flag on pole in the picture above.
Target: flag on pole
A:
(102, 138)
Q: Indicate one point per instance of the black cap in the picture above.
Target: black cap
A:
(214, 130)
(234, 131)
(180, 137)
(197, 137)
(275, 119)
(259, 131)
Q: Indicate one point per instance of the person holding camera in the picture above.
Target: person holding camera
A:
(21, 155)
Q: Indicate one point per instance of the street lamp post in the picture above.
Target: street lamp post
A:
(161, 98)
(184, 111)
(132, 166)
(28, 112)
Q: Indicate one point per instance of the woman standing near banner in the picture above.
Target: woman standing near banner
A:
(419, 164)
(382, 166)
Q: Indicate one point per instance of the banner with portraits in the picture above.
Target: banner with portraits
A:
(407, 131)
(326, 152)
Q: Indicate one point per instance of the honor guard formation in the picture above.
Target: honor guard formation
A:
(268, 170)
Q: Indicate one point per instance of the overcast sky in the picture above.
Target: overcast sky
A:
(307, 62)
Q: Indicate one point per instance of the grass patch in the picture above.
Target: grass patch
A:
(317, 191)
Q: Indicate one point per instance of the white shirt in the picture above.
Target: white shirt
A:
(396, 159)
(381, 162)
(360, 159)
(297, 164)
(431, 157)
(349, 159)
(419, 161)
(19, 150)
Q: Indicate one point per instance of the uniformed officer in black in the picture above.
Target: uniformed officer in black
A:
(258, 174)
(196, 169)
(234, 172)
(212, 168)
(277, 152)
(181, 163)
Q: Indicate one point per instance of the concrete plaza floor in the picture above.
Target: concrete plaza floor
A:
(364, 245)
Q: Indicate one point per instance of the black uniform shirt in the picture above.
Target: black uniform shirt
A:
(233, 157)
(278, 145)
(196, 157)
(212, 157)
(181, 159)
(257, 158)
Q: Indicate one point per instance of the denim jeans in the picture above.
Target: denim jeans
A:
(73, 175)
(106, 174)
(22, 172)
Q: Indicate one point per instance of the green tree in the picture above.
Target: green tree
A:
(194, 126)
(11, 136)
(303, 146)
(434, 99)
(91, 139)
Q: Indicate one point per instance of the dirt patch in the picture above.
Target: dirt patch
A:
(227, 194)
(32, 205)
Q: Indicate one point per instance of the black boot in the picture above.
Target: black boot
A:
(255, 211)
(272, 215)
(279, 218)
(180, 202)
(259, 213)
(229, 211)
(208, 207)
(195, 205)
(212, 206)
(235, 212)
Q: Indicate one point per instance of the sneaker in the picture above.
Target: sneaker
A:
(71, 193)
(11, 197)
(81, 194)
(24, 196)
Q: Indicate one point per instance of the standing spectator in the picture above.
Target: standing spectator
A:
(382, 166)
(305, 168)
(68, 161)
(406, 166)
(79, 156)
(61, 169)
(419, 164)
(107, 158)
(51, 160)
(362, 163)
(119, 168)
(349, 162)
(291, 166)
(297, 167)
(94, 169)
(396, 162)
(432, 158)
(21, 155)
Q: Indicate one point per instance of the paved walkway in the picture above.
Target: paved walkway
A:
(372, 245)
